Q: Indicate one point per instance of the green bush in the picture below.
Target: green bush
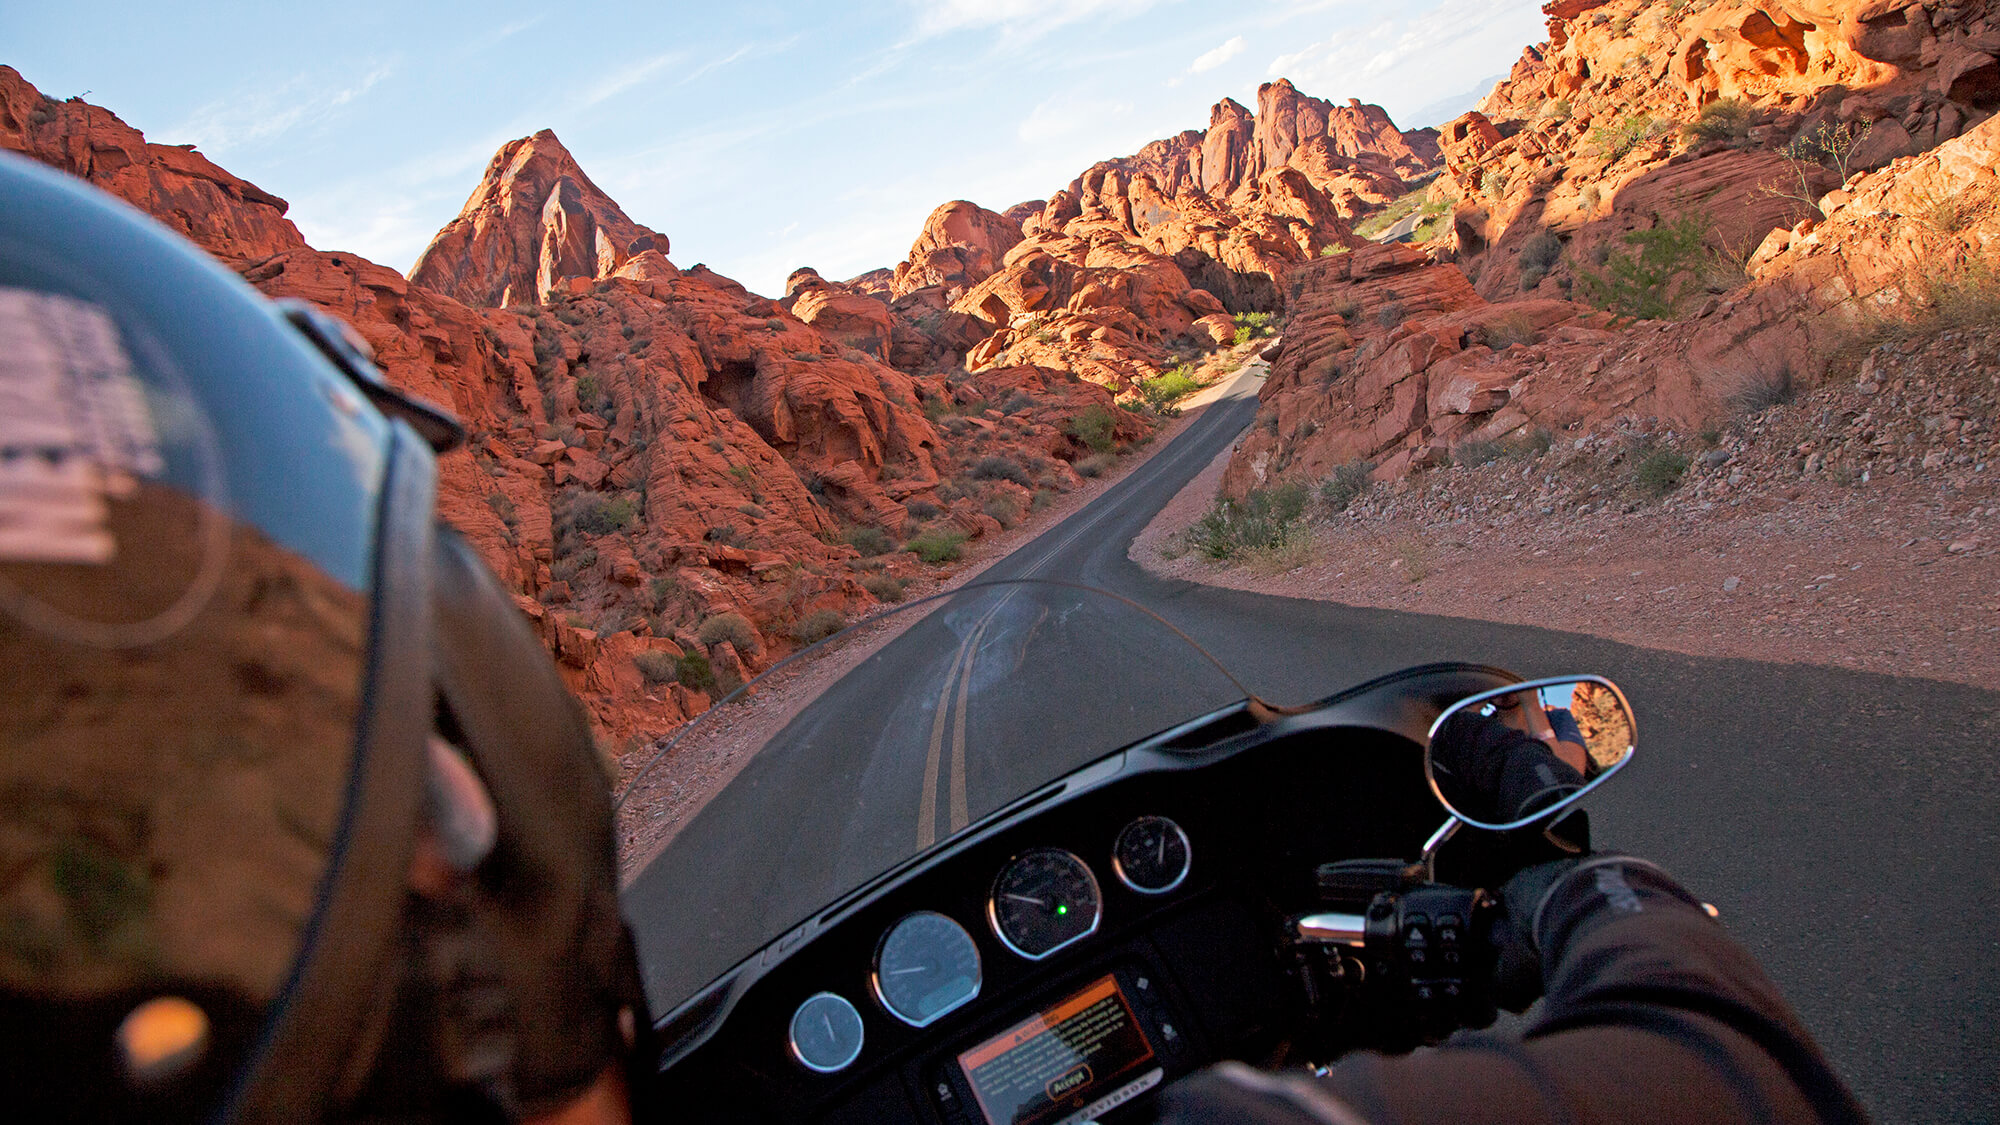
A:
(731, 627)
(1003, 509)
(1728, 119)
(818, 626)
(1618, 138)
(695, 672)
(658, 667)
(1095, 464)
(936, 545)
(1171, 385)
(923, 510)
(1000, 468)
(886, 588)
(1656, 280)
(1263, 519)
(870, 541)
(1095, 428)
(1345, 485)
(594, 514)
(1660, 472)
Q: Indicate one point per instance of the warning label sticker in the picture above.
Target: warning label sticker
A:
(75, 430)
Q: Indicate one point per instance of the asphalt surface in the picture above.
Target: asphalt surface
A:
(1842, 822)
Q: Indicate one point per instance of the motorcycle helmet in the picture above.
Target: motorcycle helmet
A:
(247, 687)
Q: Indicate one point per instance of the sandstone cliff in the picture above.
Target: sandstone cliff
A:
(682, 481)
(1140, 262)
(1682, 169)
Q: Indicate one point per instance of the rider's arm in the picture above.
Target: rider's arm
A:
(1495, 772)
(1652, 1013)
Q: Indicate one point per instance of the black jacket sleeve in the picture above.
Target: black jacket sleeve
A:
(1494, 773)
(1652, 1013)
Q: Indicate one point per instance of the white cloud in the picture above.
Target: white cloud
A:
(627, 77)
(1017, 17)
(253, 117)
(1065, 115)
(1381, 60)
(1211, 59)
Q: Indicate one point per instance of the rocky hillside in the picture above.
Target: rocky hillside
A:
(1666, 212)
(681, 480)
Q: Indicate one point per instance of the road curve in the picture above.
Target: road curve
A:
(1841, 821)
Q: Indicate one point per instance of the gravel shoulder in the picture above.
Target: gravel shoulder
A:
(1857, 527)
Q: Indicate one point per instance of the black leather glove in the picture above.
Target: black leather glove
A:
(1517, 966)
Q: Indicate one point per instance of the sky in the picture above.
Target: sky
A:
(759, 137)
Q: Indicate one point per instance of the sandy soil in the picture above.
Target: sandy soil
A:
(1820, 532)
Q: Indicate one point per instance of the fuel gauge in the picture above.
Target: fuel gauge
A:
(1152, 855)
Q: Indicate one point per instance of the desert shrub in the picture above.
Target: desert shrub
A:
(1538, 256)
(594, 514)
(870, 541)
(885, 588)
(1758, 390)
(1345, 485)
(1557, 110)
(1000, 468)
(1262, 519)
(1017, 402)
(1095, 464)
(936, 545)
(1727, 119)
(731, 627)
(1170, 386)
(659, 590)
(1615, 139)
(503, 507)
(923, 510)
(566, 568)
(1251, 325)
(1346, 309)
(1652, 282)
(1003, 508)
(818, 626)
(1095, 428)
(657, 667)
(1473, 454)
(695, 672)
(1390, 315)
(1659, 472)
(725, 535)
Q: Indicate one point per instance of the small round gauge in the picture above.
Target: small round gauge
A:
(1042, 901)
(927, 966)
(826, 1033)
(1151, 855)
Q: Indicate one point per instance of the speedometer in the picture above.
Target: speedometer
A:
(927, 966)
(1042, 901)
(1151, 855)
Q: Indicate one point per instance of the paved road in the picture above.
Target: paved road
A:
(1843, 822)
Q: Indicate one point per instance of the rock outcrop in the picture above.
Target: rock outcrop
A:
(1138, 263)
(1680, 165)
(534, 222)
(681, 480)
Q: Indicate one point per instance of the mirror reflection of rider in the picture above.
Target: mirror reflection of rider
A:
(1496, 769)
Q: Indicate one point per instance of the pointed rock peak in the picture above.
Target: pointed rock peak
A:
(536, 222)
(1226, 109)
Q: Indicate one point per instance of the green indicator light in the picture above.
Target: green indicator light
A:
(1062, 910)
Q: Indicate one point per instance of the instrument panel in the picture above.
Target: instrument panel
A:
(1043, 900)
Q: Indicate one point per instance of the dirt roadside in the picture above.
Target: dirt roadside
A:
(1857, 527)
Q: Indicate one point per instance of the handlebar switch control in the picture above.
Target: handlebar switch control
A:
(1425, 972)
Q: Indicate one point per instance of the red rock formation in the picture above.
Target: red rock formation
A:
(960, 246)
(1398, 358)
(649, 448)
(534, 222)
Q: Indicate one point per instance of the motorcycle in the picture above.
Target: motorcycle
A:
(1040, 854)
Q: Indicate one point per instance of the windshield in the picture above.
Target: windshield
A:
(969, 701)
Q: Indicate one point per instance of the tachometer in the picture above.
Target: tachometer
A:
(1151, 855)
(1042, 901)
(826, 1033)
(926, 966)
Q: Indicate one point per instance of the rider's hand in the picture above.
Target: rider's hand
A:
(1517, 967)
